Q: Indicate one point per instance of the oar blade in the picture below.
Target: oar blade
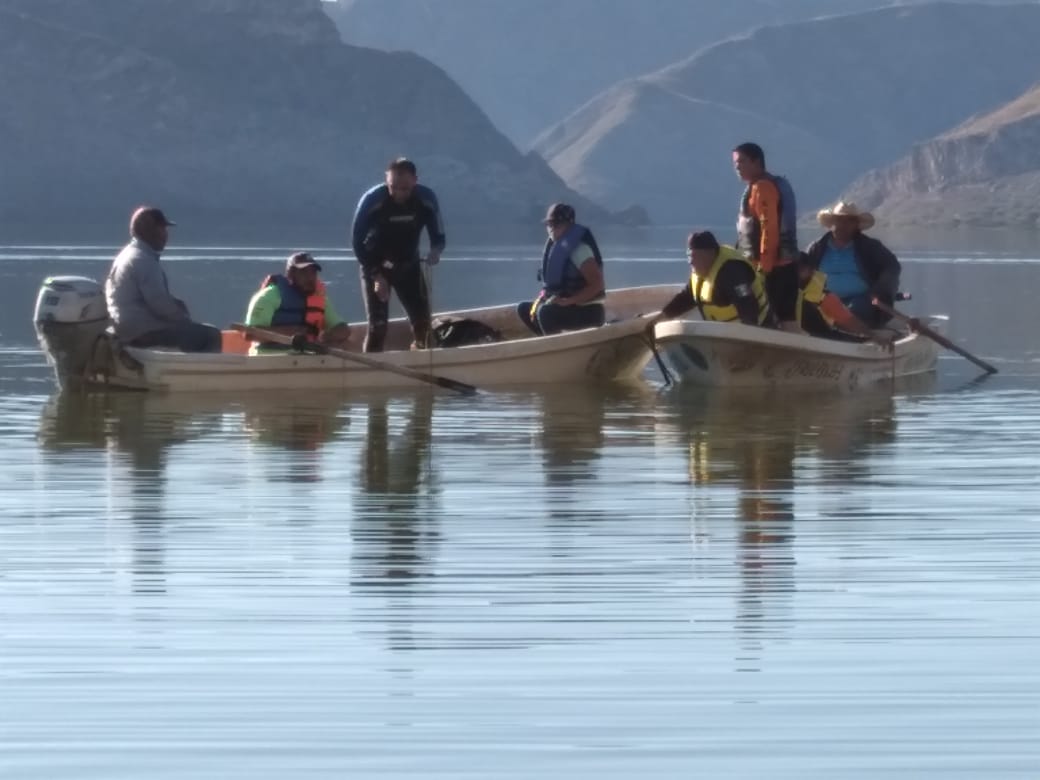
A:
(452, 384)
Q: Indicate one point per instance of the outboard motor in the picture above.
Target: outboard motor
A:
(70, 318)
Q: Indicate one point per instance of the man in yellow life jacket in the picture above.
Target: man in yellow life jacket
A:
(724, 286)
(822, 313)
(296, 303)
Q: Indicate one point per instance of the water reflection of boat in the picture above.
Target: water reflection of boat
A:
(755, 456)
(136, 434)
(572, 432)
(133, 422)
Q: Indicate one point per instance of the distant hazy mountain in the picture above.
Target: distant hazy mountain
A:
(828, 99)
(252, 111)
(530, 63)
(986, 171)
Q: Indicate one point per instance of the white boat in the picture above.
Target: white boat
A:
(729, 354)
(71, 323)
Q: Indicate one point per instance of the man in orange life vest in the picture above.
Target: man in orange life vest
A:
(296, 303)
(766, 231)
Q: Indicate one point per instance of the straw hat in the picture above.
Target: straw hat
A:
(843, 209)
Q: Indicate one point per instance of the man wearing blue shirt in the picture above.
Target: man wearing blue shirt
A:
(388, 223)
(858, 268)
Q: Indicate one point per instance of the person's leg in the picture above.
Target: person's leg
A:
(199, 337)
(553, 318)
(186, 336)
(782, 291)
(523, 311)
(410, 285)
(378, 312)
(863, 307)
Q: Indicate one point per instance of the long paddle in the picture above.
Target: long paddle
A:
(652, 343)
(262, 334)
(938, 338)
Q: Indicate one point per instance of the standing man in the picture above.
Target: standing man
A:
(143, 311)
(766, 231)
(573, 290)
(387, 224)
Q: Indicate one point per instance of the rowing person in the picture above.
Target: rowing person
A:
(822, 313)
(296, 303)
(724, 286)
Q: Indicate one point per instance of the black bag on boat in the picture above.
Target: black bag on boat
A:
(463, 332)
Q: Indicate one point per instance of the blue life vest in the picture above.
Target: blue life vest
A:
(559, 275)
(297, 308)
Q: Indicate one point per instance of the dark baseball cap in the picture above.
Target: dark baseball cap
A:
(152, 213)
(301, 260)
(703, 239)
(559, 212)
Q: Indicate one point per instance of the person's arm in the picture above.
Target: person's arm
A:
(336, 330)
(262, 307)
(888, 270)
(154, 290)
(735, 287)
(434, 224)
(364, 217)
(682, 302)
(594, 283)
(764, 205)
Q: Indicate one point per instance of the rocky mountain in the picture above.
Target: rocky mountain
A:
(984, 172)
(245, 112)
(530, 63)
(828, 99)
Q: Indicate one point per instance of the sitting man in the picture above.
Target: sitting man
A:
(573, 290)
(296, 303)
(858, 267)
(724, 286)
(143, 312)
(821, 312)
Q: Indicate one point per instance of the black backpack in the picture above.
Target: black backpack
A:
(463, 332)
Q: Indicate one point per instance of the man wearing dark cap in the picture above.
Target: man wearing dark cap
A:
(573, 289)
(388, 223)
(724, 286)
(142, 309)
(296, 303)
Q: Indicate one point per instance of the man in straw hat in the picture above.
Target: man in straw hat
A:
(858, 267)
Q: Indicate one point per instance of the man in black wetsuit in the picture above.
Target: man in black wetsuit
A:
(387, 225)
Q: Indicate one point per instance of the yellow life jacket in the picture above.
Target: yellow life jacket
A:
(813, 293)
(703, 289)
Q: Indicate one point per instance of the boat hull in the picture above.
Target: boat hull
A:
(718, 354)
(617, 351)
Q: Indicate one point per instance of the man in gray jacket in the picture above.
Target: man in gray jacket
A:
(142, 309)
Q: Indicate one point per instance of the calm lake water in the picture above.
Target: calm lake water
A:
(567, 582)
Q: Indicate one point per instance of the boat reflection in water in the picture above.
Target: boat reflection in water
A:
(136, 433)
(750, 453)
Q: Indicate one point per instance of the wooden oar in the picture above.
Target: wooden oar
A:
(935, 336)
(262, 334)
